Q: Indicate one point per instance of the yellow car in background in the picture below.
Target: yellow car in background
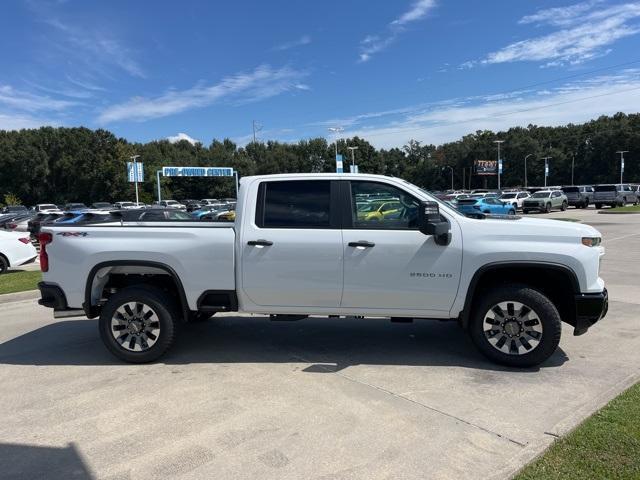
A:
(229, 216)
(378, 211)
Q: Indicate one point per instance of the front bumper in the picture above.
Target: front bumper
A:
(590, 308)
(533, 206)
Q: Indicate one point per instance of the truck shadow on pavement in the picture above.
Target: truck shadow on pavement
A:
(327, 344)
(35, 462)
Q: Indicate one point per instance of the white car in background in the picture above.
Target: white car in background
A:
(125, 205)
(173, 204)
(15, 249)
(514, 198)
(46, 208)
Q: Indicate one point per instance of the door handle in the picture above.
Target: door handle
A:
(362, 243)
(260, 243)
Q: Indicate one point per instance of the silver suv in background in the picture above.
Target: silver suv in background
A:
(545, 201)
(614, 195)
(580, 196)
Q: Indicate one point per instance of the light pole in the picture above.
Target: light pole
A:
(450, 168)
(353, 159)
(135, 174)
(336, 131)
(525, 169)
(546, 169)
(622, 152)
(499, 160)
(573, 162)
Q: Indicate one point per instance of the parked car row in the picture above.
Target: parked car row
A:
(541, 199)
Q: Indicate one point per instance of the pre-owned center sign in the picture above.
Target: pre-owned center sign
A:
(197, 172)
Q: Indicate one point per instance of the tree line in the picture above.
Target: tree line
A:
(81, 165)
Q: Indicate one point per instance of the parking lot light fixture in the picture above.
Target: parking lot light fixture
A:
(451, 168)
(353, 159)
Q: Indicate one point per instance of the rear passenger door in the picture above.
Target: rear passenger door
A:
(292, 251)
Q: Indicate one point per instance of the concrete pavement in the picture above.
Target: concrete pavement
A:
(243, 397)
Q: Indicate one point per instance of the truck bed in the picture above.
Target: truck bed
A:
(201, 254)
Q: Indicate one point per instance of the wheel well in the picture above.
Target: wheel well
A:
(558, 283)
(6, 259)
(107, 278)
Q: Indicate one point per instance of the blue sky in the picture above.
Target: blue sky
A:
(430, 70)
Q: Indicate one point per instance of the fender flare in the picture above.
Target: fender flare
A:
(473, 284)
(91, 311)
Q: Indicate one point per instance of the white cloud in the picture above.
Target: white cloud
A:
(93, 47)
(450, 120)
(263, 82)
(299, 42)
(373, 44)
(417, 11)
(29, 102)
(584, 30)
(182, 136)
(20, 121)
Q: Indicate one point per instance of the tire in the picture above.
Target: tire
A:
(4, 264)
(511, 212)
(115, 318)
(490, 333)
(515, 206)
(547, 208)
(563, 207)
(525, 211)
(598, 206)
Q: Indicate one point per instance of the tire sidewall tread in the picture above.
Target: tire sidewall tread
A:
(164, 307)
(544, 308)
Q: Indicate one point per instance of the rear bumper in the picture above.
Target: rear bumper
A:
(590, 308)
(52, 296)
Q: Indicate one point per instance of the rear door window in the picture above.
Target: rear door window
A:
(296, 204)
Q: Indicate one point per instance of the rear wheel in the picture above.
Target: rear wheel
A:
(515, 325)
(563, 207)
(4, 265)
(137, 324)
(524, 210)
(598, 206)
(511, 212)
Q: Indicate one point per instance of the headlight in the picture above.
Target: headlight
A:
(591, 241)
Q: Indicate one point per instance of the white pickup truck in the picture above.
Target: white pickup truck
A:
(319, 244)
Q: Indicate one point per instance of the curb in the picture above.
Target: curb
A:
(605, 212)
(19, 296)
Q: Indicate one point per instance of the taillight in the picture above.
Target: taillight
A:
(25, 240)
(11, 226)
(44, 239)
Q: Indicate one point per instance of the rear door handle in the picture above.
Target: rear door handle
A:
(362, 243)
(260, 243)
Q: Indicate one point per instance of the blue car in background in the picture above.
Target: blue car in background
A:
(470, 206)
(77, 216)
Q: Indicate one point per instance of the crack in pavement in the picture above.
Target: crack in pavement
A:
(415, 402)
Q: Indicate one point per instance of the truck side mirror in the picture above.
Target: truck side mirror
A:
(431, 223)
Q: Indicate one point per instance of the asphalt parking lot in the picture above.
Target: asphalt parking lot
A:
(243, 397)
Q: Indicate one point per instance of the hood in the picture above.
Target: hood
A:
(501, 225)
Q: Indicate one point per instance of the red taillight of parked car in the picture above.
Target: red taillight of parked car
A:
(25, 240)
(44, 239)
(11, 226)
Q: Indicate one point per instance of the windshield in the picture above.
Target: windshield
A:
(541, 195)
(127, 204)
(605, 188)
(508, 195)
(570, 190)
(48, 206)
(172, 202)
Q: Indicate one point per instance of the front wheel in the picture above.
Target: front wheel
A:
(4, 265)
(547, 208)
(598, 206)
(516, 326)
(137, 324)
(524, 210)
(511, 212)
